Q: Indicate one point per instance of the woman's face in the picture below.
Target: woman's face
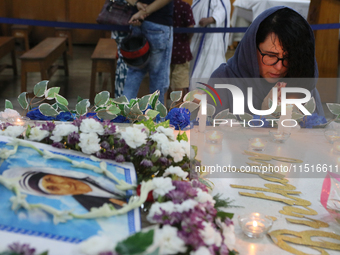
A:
(272, 46)
(60, 185)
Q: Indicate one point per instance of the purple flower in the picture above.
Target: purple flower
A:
(142, 151)
(120, 158)
(164, 161)
(49, 126)
(197, 184)
(22, 249)
(58, 145)
(182, 192)
(179, 117)
(105, 145)
(73, 138)
(146, 163)
(109, 129)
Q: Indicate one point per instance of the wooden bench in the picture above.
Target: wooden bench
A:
(67, 33)
(22, 32)
(103, 60)
(7, 45)
(41, 57)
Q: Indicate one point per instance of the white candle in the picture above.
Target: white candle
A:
(257, 144)
(202, 114)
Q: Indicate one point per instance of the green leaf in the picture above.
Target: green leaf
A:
(55, 106)
(246, 117)
(224, 215)
(114, 110)
(47, 110)
(44, 253)
(102, 98)
(161, 109)
(189, 97)
(175, 96)
(297, 116)
(151, 113)
(210, 110)
(51, 92)
(136, 111)
(126, 110)
(79, 99)
(133, 102)
(224, 115)
(143, 103)
(23, 100)
(105, 115)
(141, 118)
(8, 104)
(153, 99)
(40, 88)
(120, 100)
(191, 106)
(28, 131)
(135, 244)
(310, 105)
(81, 107)
(62, 107)
(182, 136)
(61, 100)
(333, 108)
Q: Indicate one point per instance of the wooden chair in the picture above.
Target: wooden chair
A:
(103, 60)
(22, 32)
(7, 45)
(41, 57)
(67, 33)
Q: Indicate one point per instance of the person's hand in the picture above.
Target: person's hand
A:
(141, 7)
(137, 18)
(206, 21)
(265, 103)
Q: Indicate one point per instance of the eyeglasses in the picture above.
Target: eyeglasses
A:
(270, 60)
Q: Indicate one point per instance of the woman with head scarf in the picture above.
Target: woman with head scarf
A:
(278, 49)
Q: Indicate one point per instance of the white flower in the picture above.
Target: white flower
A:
(201, 251)
(13, 131)
(36, 134)
(96, 244)
(91, 126)
(169, 132)
(229, 235)
(187, 205)
(192, 153)
(157, 153)
(210, 236)
(163, 186)
(160, 139)
(175, 170)
(141, 127)
(186, 147)
(63, 130)
(168, 241)
(89, 143)
(168, 206)
(173, 149)
(134, 137)
(9, 114)
(203, 197)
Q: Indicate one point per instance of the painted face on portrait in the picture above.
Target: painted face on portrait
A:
(272, 48)
(60, 185)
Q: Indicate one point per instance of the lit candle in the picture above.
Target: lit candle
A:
(19, 122)
(257, 144)
(255, 225)
(213, 136)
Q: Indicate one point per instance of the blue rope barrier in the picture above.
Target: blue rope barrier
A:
(75, 25)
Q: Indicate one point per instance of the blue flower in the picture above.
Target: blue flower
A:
(312, 120)
(35, 114)
(92, 114)
(179, 117)
(64, 116)
(256, 123)
(120, 119)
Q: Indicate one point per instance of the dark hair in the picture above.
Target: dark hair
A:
(296, 39)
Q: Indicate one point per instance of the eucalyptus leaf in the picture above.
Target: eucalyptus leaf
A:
(189, 97)
(102, 98)
(127, 110)
(247, 117)
(62, 107)
(175, 96)
(55, 106)
(47, 110)
(40, 88)
(8, 104)
(120, 100)
(151, 113)
(191, 106)
(51, 93)
(82, 106)
(297, 116)
(23, 100)
(105, 115)
(61, 100)
(136, 111)
(310, 105)
(161, 109)
(153, 99)
(333, 108)
(136, 243)
(143, 102)
(210, 110)
(114, 110)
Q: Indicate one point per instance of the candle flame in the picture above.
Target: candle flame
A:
(254, 223)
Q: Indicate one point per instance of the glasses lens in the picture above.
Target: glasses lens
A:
(269, 60)
(285, 62)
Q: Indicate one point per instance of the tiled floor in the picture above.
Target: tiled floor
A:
(78, 81)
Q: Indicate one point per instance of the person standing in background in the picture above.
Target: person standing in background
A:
(181, 54)
(209, 49)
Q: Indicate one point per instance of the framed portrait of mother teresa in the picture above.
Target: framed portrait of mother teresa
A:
(59, 185)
